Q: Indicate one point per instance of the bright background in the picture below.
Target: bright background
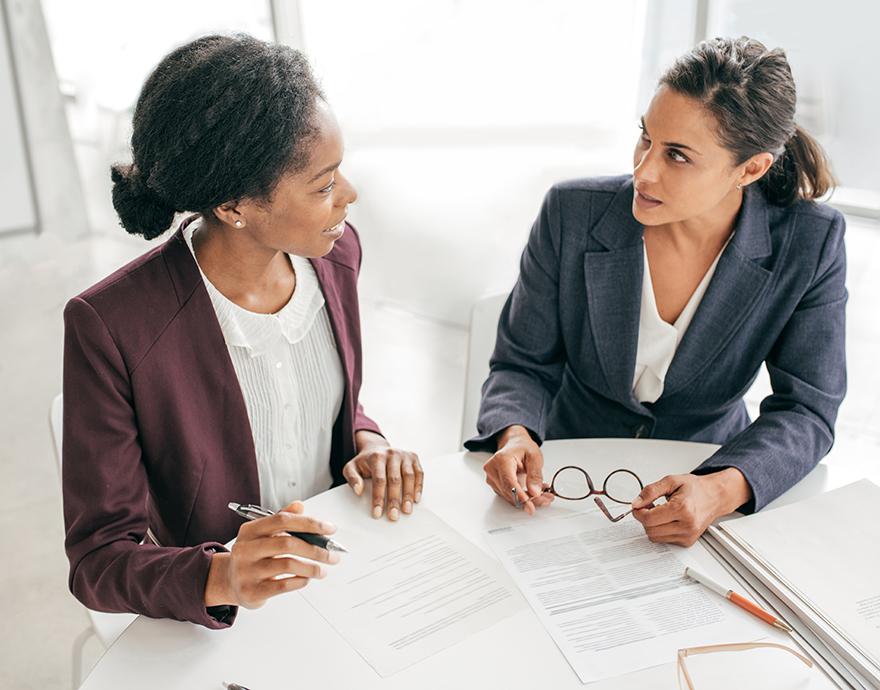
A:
(458, 116)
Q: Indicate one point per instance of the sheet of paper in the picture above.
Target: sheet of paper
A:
(826, 553)
(409, 589)
(613, 601)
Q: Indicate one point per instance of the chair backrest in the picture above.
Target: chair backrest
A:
(484, 326)
(55, 425)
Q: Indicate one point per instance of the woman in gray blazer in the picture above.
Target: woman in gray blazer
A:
(745, 269)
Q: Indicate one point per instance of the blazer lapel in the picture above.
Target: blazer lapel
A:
(343, 322)
(613, 283)
(215, 371)
(738, 283)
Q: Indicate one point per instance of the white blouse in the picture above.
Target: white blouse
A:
(292, 382)
(658, 340)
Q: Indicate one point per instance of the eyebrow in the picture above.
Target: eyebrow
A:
(323, 172)
(671, 144)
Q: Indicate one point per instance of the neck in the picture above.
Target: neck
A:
(707, 230)
(244, 271)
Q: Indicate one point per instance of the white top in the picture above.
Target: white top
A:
(658, 340)
(292, 382)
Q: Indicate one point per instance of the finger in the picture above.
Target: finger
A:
(534, 465)
(284, 522)
(377, 468)
(652, 492)
(271, 588)
(394, 486)
(658, 515)
(420, 478)
(296, 507)
(665, 531)
(353, 477)
(286, 545)
(509, 485)
(270, 568)
(407, 471)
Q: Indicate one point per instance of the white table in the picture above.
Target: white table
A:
(286, 644)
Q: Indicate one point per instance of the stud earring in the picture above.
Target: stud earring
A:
(239, 224)
(739, 186)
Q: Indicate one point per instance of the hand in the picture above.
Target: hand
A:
(397, 475)
(692, 503)
(266, 561)
(518, 463)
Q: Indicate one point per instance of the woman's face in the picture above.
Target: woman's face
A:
(306, 213)
(680, 171)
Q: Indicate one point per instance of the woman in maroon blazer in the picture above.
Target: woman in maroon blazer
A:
(159, 429)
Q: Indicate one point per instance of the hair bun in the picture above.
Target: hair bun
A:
(140, 210)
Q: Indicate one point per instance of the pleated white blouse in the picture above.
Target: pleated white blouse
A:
(292, 382)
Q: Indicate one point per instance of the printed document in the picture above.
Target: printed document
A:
(613, 601)
(409, 589)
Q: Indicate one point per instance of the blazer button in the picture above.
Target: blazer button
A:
(640, 431)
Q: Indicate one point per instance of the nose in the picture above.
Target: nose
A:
(646, 167)
(347, 193)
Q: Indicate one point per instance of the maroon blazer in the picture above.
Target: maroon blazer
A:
(156, 433)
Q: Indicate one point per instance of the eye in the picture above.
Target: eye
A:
(678, 156)
(328, 188)
(644, 136)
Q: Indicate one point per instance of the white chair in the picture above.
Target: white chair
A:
(484, 327)
(105, 626)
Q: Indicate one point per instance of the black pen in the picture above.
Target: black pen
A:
(233, 686)
(252, 512)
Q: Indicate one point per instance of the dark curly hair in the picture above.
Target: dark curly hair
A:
(751, 94)
(220, 119)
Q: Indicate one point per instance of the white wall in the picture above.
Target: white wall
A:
(16, 198)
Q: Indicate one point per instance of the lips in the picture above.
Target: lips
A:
(336, 231)
(646, 200)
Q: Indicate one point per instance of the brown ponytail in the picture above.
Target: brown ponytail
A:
(751, 94)
(801, 172)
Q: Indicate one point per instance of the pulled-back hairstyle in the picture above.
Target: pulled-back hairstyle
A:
(750, 92)
(220, 119)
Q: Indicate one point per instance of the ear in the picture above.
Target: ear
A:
(230, 213)
(755, 168)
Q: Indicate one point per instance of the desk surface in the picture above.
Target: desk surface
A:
(287, 644)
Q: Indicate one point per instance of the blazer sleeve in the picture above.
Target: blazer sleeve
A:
(105, 491)
(807, 367)
(361, 421)
(525, 369)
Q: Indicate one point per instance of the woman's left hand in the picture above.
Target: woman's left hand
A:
(693, 502)
(397, 475)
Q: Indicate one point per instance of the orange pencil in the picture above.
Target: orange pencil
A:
(737, 599)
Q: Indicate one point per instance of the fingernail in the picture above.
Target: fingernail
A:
(321, 574)
(377, 511)
(407, 507)
(333, 557)
(393, 514)
(418, 496)
(358, 489)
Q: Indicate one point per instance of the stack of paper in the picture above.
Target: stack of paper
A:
(818, 563)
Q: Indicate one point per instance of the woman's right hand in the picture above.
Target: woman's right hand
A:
(518, 464)
(266, 561)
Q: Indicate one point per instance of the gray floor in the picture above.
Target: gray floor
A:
(413, 385)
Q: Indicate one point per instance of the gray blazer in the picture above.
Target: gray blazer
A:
(567, 337)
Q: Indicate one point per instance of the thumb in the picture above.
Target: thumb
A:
(295, 507)
(652, 492)
(354, 478)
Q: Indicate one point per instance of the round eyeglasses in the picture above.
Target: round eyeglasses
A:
(574, 483)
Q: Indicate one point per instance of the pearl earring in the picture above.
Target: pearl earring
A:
(238, 224)
(739, 186)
